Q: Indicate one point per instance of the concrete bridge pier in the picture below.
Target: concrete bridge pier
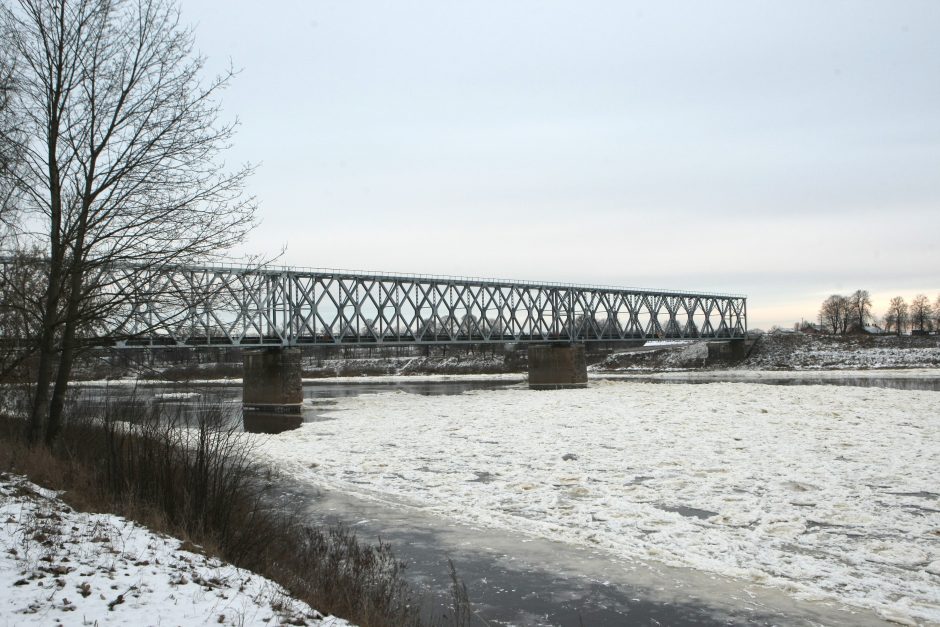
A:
(557, 366)
(730, 351)
(272, 393)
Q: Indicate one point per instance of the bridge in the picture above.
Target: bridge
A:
(272, 306)
(272, 312)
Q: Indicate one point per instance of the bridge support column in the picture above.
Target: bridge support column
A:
(553, 367)
(729, 350)
(272, 393)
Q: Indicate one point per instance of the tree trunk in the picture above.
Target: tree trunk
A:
(40, 406)
(74, 297)
(57, 404)
(38, 420)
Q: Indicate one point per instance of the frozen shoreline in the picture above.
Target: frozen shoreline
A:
(745, 376)
(231, 382)
(727, 374)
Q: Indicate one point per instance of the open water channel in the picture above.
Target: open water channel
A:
(517, 580)
(320, 395)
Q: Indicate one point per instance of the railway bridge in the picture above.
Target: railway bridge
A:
(285, 307)
(272, 311)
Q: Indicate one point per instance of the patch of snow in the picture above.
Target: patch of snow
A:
(813, 352)
(420, 378)
(745, 376)
(176, 396)
(694, 354)
(143, 383)
(829, 493)
(413, 378)
(61, 566)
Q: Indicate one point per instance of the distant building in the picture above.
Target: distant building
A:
(813, 329)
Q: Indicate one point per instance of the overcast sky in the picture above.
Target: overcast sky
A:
(786, 150)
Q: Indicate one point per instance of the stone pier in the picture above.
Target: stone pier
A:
(272, 393)
(729, 351)
(557, 366)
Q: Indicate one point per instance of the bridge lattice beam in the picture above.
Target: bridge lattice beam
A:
(259, 307)
(243, 306)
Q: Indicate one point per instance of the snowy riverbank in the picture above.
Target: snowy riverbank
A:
(237, 382)
(826, 492)
(59, 566)
(735, 375)
(798, 351)
(793, 352)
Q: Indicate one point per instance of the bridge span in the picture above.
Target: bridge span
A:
(273, 306)
(272, 312)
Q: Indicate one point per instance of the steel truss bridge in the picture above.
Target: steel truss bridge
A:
(225, 305)
(241, 306)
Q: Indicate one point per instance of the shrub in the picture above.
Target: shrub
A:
(189, 472)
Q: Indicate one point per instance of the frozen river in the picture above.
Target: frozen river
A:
(819, 485)
(826, 492)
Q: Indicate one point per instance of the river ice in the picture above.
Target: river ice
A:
(827, 492)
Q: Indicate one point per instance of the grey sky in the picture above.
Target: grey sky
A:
(786, 150)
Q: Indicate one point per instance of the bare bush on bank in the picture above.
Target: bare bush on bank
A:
(190, 474)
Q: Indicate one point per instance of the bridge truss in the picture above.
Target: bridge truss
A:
(239, 306)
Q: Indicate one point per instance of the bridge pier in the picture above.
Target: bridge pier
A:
(557, 366)
(731, 350)
(272, 393)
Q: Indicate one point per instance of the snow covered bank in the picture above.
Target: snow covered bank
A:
(790, 352)
(62, 566)
(827, 492)
(402, 378)
(823, 352)
(754, 376)
(420, 378)
(459, 362)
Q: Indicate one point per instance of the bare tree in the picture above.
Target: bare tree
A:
(835, 313)
(21, 289)
(921, 313)
(936, 313)
(860, 308)
(9, 154)
(897, 315)
(18, 280)
(121, 160)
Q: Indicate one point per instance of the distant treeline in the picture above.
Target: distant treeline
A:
(853, 314)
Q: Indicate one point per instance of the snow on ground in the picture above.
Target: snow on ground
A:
(744, 376)
(421, 378)
(459, 362)
(231, 382)
(827, 492)
(58, 566)
(177, 396)
(819, 352)
(790, 352)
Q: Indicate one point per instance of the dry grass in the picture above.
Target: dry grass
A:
(199, 483)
